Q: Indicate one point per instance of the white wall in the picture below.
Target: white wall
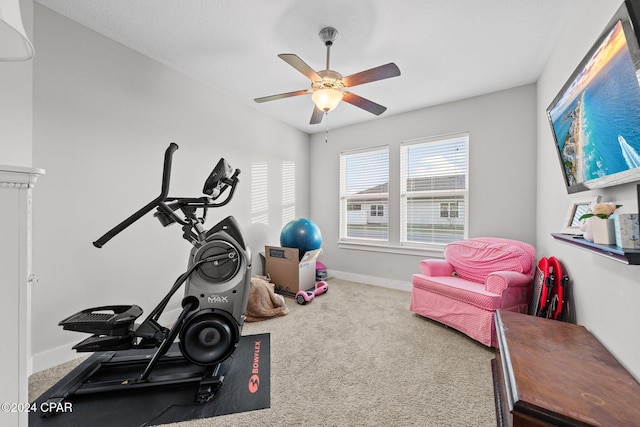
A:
(103, 116)
(16, 104)
(606, 293)
(502, 167)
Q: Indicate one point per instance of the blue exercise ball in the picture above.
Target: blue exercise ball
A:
(301, 233)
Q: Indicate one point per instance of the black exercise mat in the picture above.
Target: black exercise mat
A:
(246, 387)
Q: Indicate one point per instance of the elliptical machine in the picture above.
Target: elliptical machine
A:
(213, 307)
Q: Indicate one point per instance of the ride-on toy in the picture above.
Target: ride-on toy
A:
(303, 297)
(213, 307)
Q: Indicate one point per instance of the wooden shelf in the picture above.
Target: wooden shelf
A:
(626, 256)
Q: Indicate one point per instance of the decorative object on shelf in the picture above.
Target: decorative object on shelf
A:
(627, 230)
(598, 227)
(601, 210)
(604, 230)
(577, 208)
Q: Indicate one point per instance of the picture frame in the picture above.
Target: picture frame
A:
(577, 208)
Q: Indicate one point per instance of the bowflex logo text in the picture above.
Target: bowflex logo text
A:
(254, 381)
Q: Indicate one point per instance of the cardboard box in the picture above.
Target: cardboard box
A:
(627, 230)
(288, 272)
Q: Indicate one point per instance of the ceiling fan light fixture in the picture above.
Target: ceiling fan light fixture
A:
(326, 99)
(14, 43)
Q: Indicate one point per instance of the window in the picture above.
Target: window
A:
(377, 210)
(259, 199)
(288, 192)
(433, 193)
(364, 193)
(449, 210)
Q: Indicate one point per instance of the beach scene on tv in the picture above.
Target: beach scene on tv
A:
(596, 120)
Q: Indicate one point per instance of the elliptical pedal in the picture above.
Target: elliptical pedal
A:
(105, 343)
(110, 320)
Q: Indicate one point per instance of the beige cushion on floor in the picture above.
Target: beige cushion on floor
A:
(263, 302)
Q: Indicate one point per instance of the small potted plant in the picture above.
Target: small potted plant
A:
(598, 227)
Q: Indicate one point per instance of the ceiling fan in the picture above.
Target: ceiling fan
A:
(328, 87)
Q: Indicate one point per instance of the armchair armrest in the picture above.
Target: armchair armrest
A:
(436, 267)
(498, 281)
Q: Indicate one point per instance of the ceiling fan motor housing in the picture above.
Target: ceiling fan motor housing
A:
(330, 80)
(328, 35)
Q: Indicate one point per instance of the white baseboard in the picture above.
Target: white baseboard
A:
(53, 357)
(56, 356)
(370, 280)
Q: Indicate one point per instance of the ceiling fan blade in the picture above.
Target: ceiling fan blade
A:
(297, 63)
(317, 116)
(282, 95)
(363, 103)
(371, 75)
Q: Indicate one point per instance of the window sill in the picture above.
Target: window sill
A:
(431, 251)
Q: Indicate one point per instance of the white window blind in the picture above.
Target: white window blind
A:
(434, 190)
(259, 193)
(288, 192)
(364, 194)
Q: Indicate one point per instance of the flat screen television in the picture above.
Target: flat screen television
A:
(595, 118)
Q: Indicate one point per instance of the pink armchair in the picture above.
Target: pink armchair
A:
(477, 277)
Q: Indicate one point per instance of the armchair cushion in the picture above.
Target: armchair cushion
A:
(459, 289)
(474, 259)
(436, 267)
(498, 281)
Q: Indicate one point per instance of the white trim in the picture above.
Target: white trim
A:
(53, 357)
(19, 176)
(441, 137)
(426, 252)
(370, 280)
(365, 149)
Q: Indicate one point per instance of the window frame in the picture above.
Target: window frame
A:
(345, 200)
(405, 194)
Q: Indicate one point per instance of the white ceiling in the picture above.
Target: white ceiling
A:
(446, 50)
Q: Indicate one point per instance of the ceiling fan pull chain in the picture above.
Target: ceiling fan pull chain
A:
(326, 122)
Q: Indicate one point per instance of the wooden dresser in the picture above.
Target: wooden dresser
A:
(552, 373)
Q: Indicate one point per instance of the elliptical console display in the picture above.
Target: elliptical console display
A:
(217, 283)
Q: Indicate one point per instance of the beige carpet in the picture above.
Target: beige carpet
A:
(356, 356)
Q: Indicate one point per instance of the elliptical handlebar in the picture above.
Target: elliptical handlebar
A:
(166, 178)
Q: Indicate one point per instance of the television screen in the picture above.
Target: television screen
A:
(595, 118)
